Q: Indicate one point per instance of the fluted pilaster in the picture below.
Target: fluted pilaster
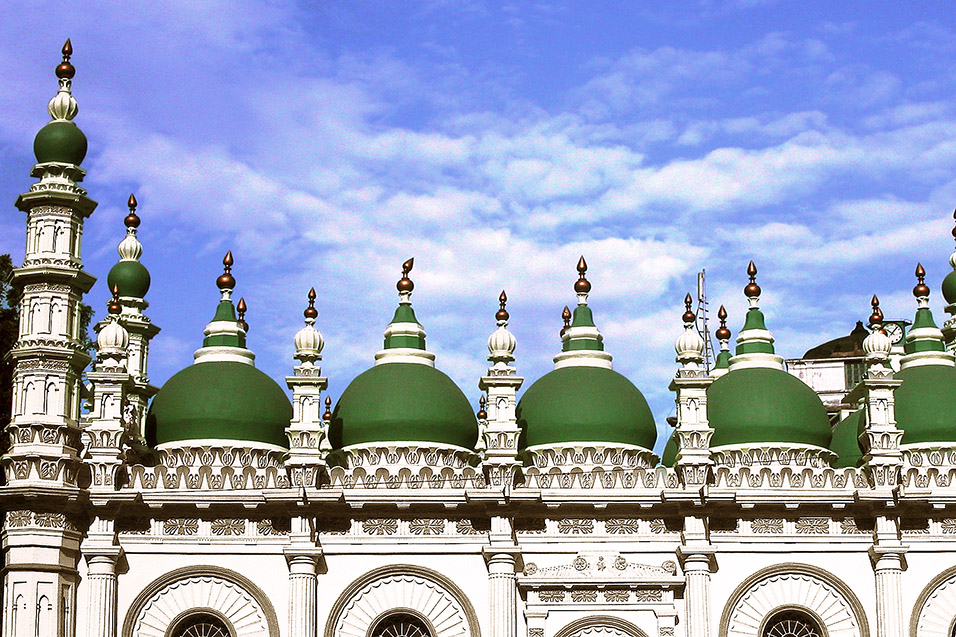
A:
(101, 583)
(501, 582)
(303, 620)
(889, 594)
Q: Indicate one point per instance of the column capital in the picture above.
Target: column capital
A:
(696, 557)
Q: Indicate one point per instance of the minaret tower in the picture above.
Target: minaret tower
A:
(949, 293)
(132, 280)
(41, 465)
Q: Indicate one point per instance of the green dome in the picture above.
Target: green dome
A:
(403, 402)
(585, 404)
(131, 277)
(60, 141)
(669, 457)
(846, 440)
(926, 404)
(219, 400)
(763, 405)
(949, 287)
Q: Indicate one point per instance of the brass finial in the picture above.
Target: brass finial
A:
(722, 333)
(876, 318)
(752, 290)
(954, 227)
(482, 414)
(502, 313)
(582, 285)
(689, 316)
(405, 284)
(566, 317)
(65, 70)
(132, 219)
(241, 308)
(226, 281)
(114, 306)
(310, 312)
(921, 288)
(327, 416)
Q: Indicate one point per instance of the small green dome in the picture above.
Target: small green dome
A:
(669, 457)
(585, 404)
(403, 402)
(131, 277)
(60, 141)
(219, 400)
(845, 442)
(949, 287)
(926, 404)
(764, 405)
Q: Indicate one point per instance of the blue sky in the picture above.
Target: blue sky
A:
(325, 143)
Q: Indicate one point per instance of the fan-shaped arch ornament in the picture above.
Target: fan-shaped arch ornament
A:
(201, 589)
(404, 589)
(801, 587)
(600, 626)
(934, 614)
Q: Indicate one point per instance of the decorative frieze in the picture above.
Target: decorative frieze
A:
(212, 467)
(404, 467)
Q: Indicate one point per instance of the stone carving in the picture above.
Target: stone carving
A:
(16, 519)
(592, 467)
(666, 631)
(948, 525)
(813, 526)
(617, 595)
(551, 595)
(575, 526)
(380, 526)
(648, 595)
(235, 603)
(212, 467)
(464, 527)
(268, 527)
(229, 526)
(600, 566)
(420, 595)
(622, 526)
(44, 520)
(848, 526)
(928, 467)
(658, 526)
(767, 525)
(426, 526)
(934, 617)
(584, 596)
(536, 632)
(798, 589)
(779, 467)
(406, 467)
(181, 526)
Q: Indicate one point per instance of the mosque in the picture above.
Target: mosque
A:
(215, 506)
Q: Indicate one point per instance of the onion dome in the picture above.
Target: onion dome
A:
(502, 343)
(129, 275)
(949, 283)
(403, 398)
(690, 344)
(756, 402)
(61, 140)
(222, 396)
(926, 401)
(669, 455)
(845, 442)
(583, 400)
(722, 363)
(308, 340)
(112, 339)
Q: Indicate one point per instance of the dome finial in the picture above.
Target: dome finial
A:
(877, 344)
(327, 416)
(501, 343)
(63, 106)
(722, 362)
(876, 318)
(405, 285)
(752, 290)
(241, 308)
(114, 306)
(112, 338)
(566, 317)
(689, 317)
(502, 315)
(226, 282)
(690, 344)
(132, 219)
(921, 290)
(310, 312)
(582, 286)
(482, 414)
(722, 333)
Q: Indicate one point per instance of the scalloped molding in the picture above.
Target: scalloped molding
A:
(933, 612)
(793, 585)
(425, 592)
(600, 626)
(243, 604)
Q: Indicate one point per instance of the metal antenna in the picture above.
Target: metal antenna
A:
(702, 327)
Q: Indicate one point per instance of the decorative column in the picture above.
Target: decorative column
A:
(697, 559)
(500, 426)
(308, 431)
(690, 385)
(889, 561)
(501, 558)
(102, 553)
(303, 560)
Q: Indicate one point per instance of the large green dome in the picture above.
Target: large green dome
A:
(949, 287)
(403, 402)
(585, 404)
(759, 405)
(926, 404)
(131, 277)
(220, 400)
(845, 442)
(60, 141)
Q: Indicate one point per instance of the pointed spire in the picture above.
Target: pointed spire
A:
(481, 414)
(722, 363)
(924, 340)
(226, 334)
(581, 342)
(327, 416)
(114, 306)
(63, 106)
(690, 345)
(877, 344)
(226, 282)
(501, 343)
(404, 336)
(241, 308)
(308, 340)
(755, 342)
(130, 249)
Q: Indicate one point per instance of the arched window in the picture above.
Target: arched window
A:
(400, 625)
(200, 625)
(792, 623)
